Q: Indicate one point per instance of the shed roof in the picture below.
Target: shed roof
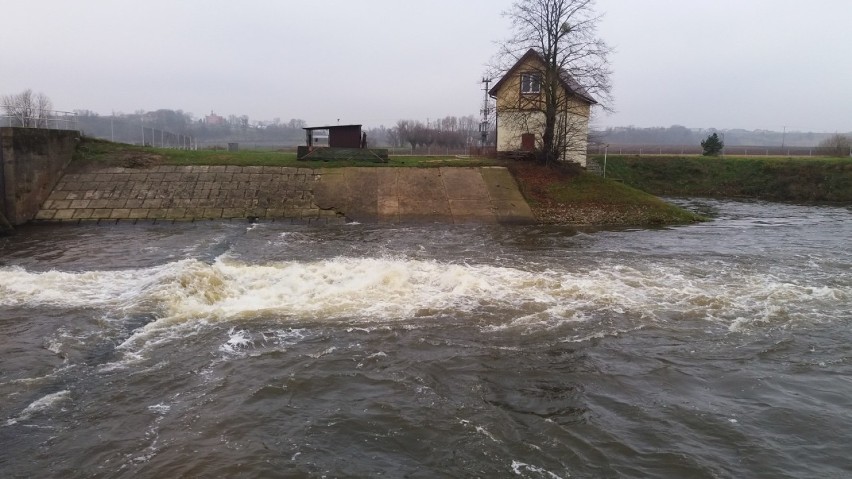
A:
(330, 127)
(568, 82)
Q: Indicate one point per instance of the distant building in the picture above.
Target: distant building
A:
(214, 119)
(520, 119)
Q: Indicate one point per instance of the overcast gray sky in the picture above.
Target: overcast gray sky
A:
(754, 64)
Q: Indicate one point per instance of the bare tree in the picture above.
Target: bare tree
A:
(297, 123)
(393, 137)
(447, 132)
(43, 109)
(28, 109)
(836, 145)
(571, 73)
(19, 107)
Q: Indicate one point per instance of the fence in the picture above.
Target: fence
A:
(430, 151)
(697, 150)
(52, 120)
(394, 151)
(167, 139)
(137, 132)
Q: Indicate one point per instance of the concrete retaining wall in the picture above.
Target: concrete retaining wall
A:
(31, 163)
(453, 195)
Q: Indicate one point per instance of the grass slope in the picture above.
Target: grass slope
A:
(780, 179)
(563, 196)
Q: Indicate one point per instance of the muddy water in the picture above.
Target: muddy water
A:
(270, 350)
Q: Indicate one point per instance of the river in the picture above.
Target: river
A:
(217, 349)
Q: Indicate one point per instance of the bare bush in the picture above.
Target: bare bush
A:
(28, 109)
(836, 145)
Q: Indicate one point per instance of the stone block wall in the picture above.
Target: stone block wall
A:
(169, 192)
(312, 195)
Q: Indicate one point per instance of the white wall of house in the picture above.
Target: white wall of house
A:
(512, 124)
(576, 132)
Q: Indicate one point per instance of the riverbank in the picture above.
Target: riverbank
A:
(554, 196)
(771, 178)
(573, 197)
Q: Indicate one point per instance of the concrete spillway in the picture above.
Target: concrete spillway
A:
(452, 195)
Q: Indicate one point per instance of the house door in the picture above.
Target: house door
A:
(528, 142)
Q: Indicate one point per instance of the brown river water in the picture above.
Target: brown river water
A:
(213, 349)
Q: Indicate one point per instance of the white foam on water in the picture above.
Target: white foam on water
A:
(80, 289)
(613, 332)
(484, 432)
(238, 340)
(19, 287)
(187, 295)
(54, 345)
(160, 408)
(39, 379)
(372, 290)
(39, 405)
(324, 352)
(372, 357)
(479, 429)
(519, 468)
(129, 358)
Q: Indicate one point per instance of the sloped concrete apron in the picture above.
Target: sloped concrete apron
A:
(455, 195)
(393, 195)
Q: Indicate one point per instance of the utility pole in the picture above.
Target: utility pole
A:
(783, 139)
(483, 127)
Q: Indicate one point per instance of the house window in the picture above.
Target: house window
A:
(530, 83)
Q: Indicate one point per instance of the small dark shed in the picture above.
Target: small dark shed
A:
(339, 136)
(344, 142)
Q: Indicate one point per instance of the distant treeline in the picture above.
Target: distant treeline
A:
(679, 135)
(448, 132)
(170, 127)
(175, 128)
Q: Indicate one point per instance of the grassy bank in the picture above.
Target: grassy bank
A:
(93, 152)
(777, 179)
(560, 196)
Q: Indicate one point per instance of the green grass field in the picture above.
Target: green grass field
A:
(100, 152)
(772, 178)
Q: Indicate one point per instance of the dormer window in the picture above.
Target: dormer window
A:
(530, 83)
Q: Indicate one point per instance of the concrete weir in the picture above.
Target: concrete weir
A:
(322, 195)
